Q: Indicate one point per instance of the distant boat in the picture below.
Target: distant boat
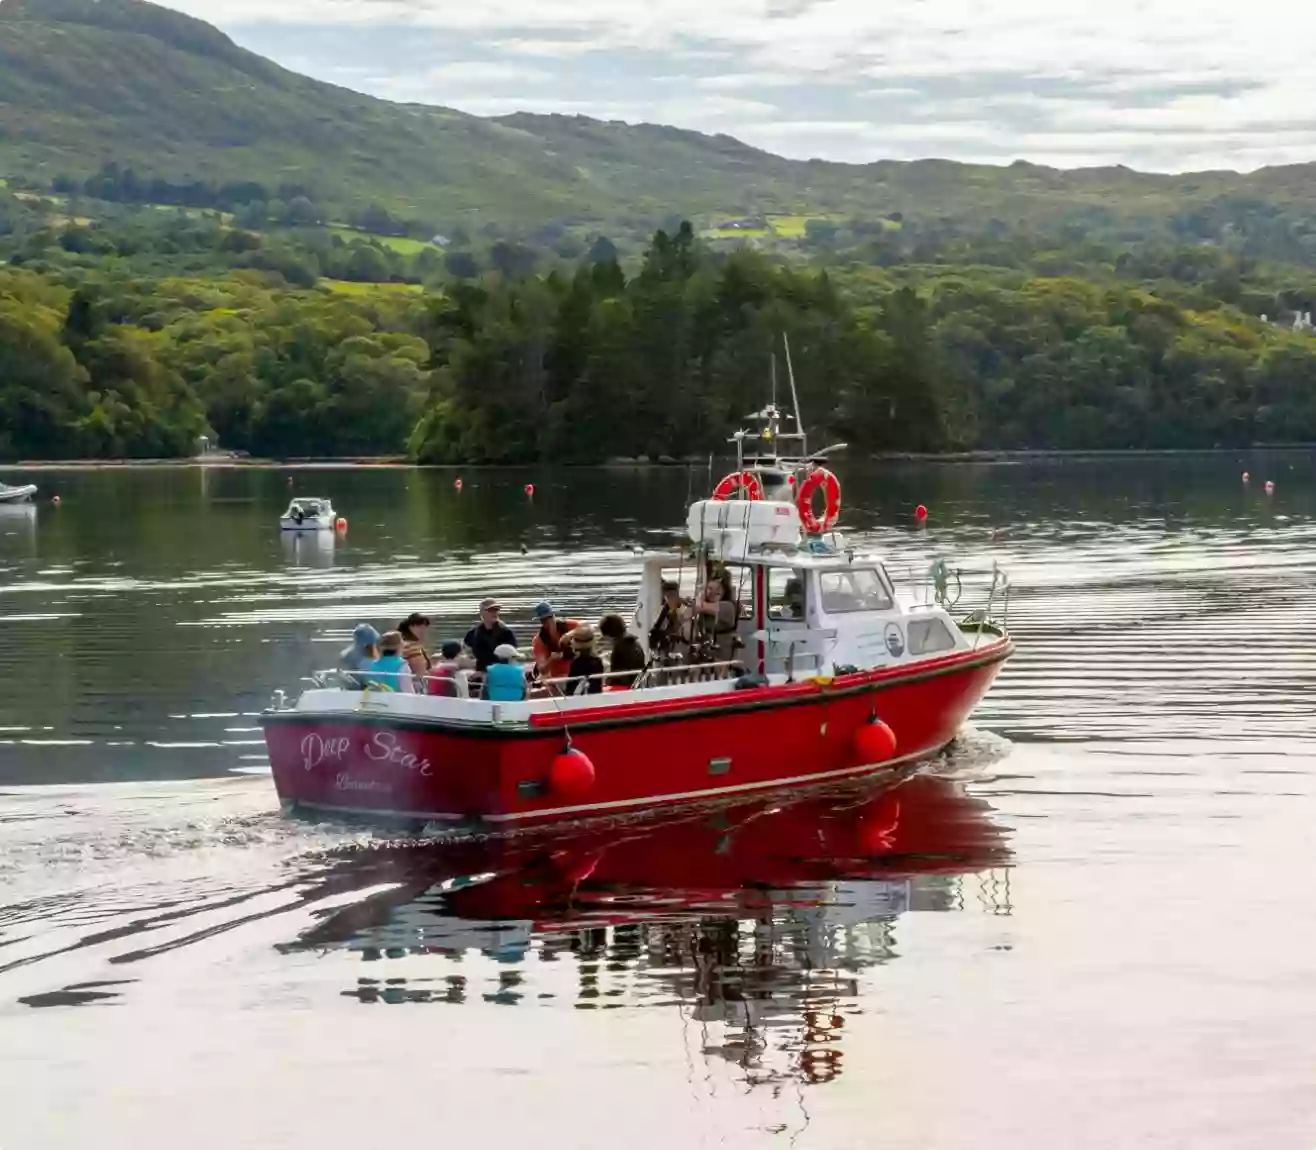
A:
(308, 515)
(17, 494)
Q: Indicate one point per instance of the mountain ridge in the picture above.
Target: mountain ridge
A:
(84, 82)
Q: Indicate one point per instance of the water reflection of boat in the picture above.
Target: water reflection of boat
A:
(791, 661)
(18, 518)
(752, 857)
(754, 918)
(308, 548)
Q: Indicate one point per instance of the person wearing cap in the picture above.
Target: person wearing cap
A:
(551, 658)
(504, 681)
(362, 652)
(390, 671)
(586, 667)
(447, 677)
(488, 635)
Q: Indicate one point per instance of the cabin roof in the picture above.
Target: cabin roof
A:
(796, 559)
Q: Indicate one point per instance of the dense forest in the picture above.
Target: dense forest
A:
(195, 242)
(133, 339)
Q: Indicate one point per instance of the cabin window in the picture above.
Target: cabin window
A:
(927, 636)
(786, 594)
(859, 589)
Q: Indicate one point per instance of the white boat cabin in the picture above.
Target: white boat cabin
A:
(805, 605)
(306, 512)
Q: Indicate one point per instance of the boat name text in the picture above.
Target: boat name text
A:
(383, 747)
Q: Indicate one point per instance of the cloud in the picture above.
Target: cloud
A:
(1146, 81)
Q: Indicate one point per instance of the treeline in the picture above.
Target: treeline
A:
(137, 369)
(97, 359)
(253, 203)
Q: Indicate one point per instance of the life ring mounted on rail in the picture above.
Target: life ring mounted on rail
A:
(819, 479)
(733, 483)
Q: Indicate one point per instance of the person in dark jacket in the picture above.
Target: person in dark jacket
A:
(488, 635)
(627, 652)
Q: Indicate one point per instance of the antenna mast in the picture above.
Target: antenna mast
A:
(795, 398)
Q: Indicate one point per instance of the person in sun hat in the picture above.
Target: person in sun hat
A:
(551, 658)
(488, 634)
(504, 681)
(586, 666)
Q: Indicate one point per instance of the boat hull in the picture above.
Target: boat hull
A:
(18, 494)
(645, 754)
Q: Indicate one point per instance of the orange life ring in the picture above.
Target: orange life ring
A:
(734, 482)
(819, 477)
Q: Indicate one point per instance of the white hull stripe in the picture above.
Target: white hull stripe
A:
(619, 804)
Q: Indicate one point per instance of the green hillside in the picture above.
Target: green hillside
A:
(85, 82)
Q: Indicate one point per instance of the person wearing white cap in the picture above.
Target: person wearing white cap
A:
(504, 681)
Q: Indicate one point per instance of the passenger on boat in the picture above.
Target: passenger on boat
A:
(390, 671)
(716, 615)
(551, 658)
(627, 653)
(504, 680)
(793, 608)
(362, 652)
(448, 677)
(488, 635)
(413, 629)
(666, 635)
(586, 666)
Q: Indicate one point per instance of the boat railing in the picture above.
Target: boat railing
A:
(658, 675)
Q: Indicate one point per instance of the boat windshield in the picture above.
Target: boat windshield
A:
(859, 589)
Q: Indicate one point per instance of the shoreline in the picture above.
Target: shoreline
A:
(395, 463)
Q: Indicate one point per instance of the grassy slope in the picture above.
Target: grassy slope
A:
(84, 81)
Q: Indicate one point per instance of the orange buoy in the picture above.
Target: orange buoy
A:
(458, 484)
(921, 513)
(1246, 477)
(341, 525)
(1270, 487)
(55, 500)
(530, 489)
(875, 742)
(572, 774)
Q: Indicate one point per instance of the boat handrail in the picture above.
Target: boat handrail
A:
(647, 677)
(686, 671)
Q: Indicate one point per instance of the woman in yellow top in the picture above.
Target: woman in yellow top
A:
(413, 630)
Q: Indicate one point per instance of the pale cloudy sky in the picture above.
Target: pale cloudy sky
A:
(1162, 85)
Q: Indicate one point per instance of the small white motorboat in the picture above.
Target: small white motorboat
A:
(308, 515)
(17, 494)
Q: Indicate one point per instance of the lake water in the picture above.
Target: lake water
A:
(1090, 925)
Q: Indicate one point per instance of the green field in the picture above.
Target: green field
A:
(790, 227)
(348, 287)
(399, 244)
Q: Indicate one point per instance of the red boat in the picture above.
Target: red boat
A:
(816, 671)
